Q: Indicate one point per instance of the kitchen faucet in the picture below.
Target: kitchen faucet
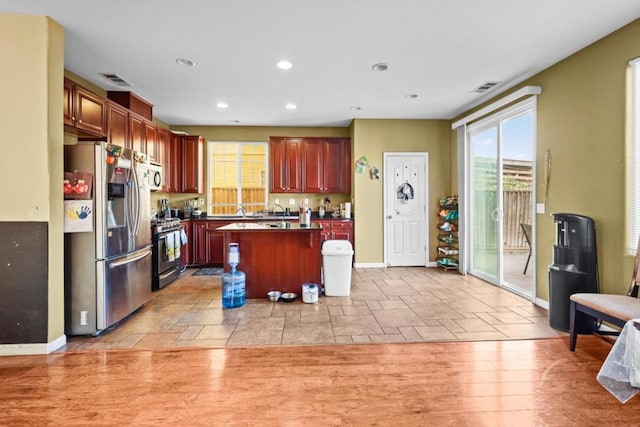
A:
(242, 210)
(281, 207)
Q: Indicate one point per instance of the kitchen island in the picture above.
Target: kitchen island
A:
(277, 256)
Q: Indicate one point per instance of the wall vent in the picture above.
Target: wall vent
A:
(116, 79)
(485, 87)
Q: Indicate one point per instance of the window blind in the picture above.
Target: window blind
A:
(635, 157)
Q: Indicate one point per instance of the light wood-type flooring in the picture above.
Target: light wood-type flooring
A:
(392, 305)
(486, 383)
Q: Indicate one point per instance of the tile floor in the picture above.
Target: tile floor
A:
(385, 305)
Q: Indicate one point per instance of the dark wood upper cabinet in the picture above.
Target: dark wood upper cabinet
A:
(326, 165)
(161, 142)
(84, 111)
(117, 125)
(150, 132)
(137, 133)
(193, 164)
(286, 165)
(173, 166)
(68, 111)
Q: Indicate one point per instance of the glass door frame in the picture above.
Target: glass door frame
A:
(496, 120)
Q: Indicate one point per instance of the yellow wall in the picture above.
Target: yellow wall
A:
(31, 136)
(371, 138)
(581, 119)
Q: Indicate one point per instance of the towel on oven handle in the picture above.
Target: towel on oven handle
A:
(170, 246)
(184, 237)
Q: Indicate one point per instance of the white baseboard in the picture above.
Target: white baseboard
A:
(542, 303)
(432, 264)
(369, 265)
(31, 349)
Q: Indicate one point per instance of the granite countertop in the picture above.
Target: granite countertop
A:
(254, 218)
(268, 226)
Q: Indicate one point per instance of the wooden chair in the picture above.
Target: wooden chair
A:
(526, 230)
(615, 309)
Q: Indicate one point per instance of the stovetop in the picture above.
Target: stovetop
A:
(167, 224)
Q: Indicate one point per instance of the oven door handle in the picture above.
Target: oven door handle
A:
(165, 275)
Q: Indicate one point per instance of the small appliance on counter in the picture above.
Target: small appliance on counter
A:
(194, 206)
(345, 210)
(165, 209)
(304, 217)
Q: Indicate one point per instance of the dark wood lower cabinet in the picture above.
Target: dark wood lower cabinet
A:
(215, 243)
(337, 229)
(199, 242)
(206, 244)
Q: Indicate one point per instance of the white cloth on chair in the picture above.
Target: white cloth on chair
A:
(633, 353)
(620, 373)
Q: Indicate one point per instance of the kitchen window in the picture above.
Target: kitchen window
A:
(633, 180)
(237, 177)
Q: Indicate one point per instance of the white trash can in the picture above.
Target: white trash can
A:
(336, 267)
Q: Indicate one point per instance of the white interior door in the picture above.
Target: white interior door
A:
(406, 194)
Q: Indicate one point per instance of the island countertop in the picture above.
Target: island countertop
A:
(275, 257)
(268, 226)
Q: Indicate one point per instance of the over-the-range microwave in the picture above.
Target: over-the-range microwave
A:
(155, 177)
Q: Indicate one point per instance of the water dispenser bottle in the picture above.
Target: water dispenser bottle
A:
(574, 268)
(234, 281)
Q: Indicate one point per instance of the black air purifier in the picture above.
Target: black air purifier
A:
(574, 269)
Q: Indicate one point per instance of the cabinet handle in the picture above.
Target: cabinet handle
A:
(80, 121)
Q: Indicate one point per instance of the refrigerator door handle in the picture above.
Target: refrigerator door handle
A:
(130, 259)
(136, 227)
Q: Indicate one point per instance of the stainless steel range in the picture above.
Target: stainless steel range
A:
(167, 238)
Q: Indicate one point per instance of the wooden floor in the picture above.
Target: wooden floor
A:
(489, 383)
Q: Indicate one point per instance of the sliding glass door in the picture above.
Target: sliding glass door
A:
(501, 198)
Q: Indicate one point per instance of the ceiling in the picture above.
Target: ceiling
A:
(439, 50)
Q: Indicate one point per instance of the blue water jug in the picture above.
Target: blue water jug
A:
(233, 288)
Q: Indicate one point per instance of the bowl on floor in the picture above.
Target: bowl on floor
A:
(288, 297)
(274, 295)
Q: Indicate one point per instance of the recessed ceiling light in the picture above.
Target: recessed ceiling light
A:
(284, 65)
(380, 66)
(355, 108)
(185, 62)
(291, 106)
(222, 105)
(411, 96)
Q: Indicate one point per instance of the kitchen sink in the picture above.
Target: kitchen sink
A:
(252, 217)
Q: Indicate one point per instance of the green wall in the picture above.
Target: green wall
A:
(371, 138)
(31, 136)
(581, 120)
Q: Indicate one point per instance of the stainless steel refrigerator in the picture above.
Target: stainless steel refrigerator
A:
(108, 269)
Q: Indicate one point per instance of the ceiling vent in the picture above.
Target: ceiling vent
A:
(486, 86)
(116, 79)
